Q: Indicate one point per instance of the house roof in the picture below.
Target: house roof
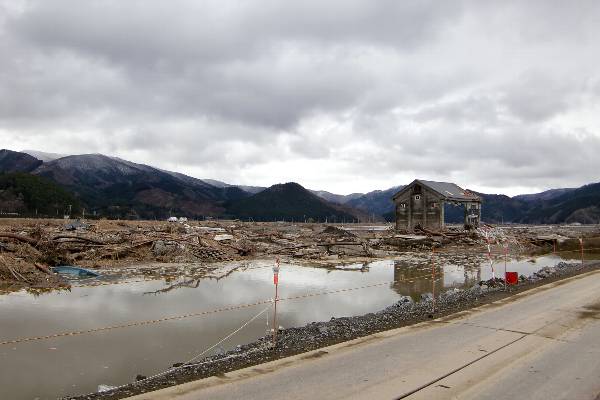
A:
(450, 191)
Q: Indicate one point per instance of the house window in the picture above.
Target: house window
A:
(434, 205)
(417, 197)
(402, 205)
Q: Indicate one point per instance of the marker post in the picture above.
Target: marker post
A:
(489, 253)
(276, 282)
(433, 276)
(505, 261)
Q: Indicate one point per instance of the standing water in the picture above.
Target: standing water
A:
(77, 364)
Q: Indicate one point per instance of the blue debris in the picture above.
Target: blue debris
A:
(75, 272)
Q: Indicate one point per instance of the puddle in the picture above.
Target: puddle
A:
(71, 365)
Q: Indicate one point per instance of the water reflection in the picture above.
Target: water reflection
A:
(78, 364)
(461, 276)
(411, 280)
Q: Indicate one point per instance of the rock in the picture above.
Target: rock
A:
(475, 290)
(139, 377)
(105, 388)
(426, 297)
(159, 248)
(405, 300)
(563, 265)
(451, 294)
(542, 273)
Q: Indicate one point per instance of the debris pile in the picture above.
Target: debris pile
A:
(30, 247)
(16, 272)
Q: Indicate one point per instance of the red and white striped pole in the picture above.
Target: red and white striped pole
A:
(505, 261)
(433, 276)
(489, 249)
(276, 282)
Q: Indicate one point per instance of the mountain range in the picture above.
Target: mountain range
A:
(115, 188)
(284, 201)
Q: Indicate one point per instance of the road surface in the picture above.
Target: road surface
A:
(540, 344)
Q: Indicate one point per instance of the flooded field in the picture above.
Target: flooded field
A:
(77, 364)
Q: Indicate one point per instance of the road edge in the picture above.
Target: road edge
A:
(260, 369)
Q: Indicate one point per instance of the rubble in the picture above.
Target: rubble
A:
(102, 244)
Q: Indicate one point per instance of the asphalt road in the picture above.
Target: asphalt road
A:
(541, 344)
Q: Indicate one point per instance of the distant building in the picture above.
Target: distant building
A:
(421, 203)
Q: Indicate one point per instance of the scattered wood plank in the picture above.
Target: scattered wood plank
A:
(430, 232)
(42, 268)
(20, 238)
(78, 238)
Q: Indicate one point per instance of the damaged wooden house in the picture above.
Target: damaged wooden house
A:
(421, 204)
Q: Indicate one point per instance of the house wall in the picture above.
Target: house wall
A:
(472, 214)
(419, 207)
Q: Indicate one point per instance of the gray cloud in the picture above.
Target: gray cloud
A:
(343, 95)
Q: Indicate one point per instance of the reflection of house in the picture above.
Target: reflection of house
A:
(413, 281)
(421, 203)
(461, 276)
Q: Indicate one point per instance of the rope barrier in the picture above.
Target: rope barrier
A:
(187, 363)
(132, 324)
(201, 313)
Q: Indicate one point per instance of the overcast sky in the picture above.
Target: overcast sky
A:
(341, 95)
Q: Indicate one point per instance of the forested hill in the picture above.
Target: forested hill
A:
(30, 195)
